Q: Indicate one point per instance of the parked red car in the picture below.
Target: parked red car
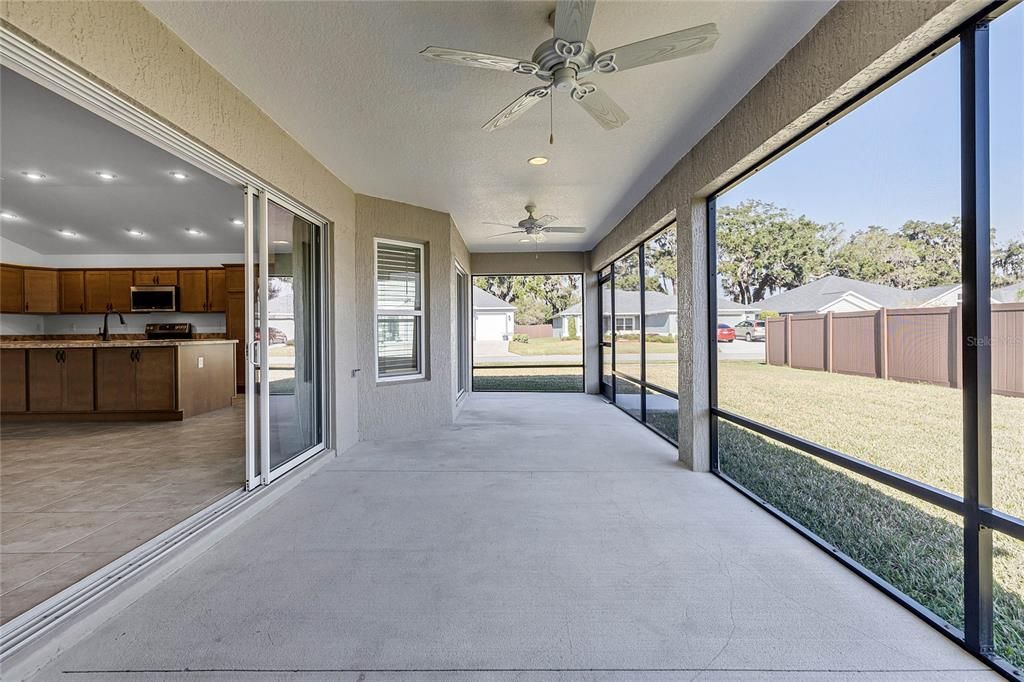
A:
(726, 333)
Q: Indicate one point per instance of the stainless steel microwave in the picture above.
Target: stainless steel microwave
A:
(154, 299)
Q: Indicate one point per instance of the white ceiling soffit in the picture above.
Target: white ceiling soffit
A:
(46, 133)
(345, 79)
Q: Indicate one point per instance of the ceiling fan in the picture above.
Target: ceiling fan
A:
(535, 228)
(561, 60)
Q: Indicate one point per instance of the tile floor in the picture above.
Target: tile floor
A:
(74, 497)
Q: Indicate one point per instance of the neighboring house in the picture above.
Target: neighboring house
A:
(732, 313)
(1011, 293)
(660, 312)
(841, 294)
(494, 321)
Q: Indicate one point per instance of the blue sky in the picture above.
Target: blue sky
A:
(897, 156)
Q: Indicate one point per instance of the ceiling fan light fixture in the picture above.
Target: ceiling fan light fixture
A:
(537, 160)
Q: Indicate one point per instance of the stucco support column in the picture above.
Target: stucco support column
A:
(694, 415)
(591, 329)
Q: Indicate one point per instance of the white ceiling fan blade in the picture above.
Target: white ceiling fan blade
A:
(504, 234)
(598, 104)
(517, 108)
(566, 230)
(544, 220)
(480, 60)
(500, 224)
(572, 19)
(689, 41)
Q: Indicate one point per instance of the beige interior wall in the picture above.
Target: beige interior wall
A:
(402, 408)
(124, 47)
(856, 44)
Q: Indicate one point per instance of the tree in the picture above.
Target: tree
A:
(879, 256)
(937, 247)
(572, 328)
(764, 248)
(1008, 263)
(536, 297)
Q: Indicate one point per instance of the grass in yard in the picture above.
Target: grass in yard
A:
(547, 346)
(558, 346)
(914, 429)
(542, 379)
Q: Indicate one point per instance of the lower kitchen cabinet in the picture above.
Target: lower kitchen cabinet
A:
(13, 396)
(60, 380)
(129, 379)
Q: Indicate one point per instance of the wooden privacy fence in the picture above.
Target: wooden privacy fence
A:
(908, 344)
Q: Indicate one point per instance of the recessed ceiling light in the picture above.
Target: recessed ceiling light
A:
(537, 160)
(33, 175)
(194, 231)
(525, 241)
(67, 233)
(178, 175)
(238, 222)
(105, 175)
(280, 241)
(136, 233)
(7, 215)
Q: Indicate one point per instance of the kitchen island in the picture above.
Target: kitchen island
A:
(117, 380)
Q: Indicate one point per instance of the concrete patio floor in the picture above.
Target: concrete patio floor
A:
(542, 537)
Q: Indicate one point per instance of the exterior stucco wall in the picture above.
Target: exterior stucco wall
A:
(460, 255)
(856, 44)
(124, 47)
(402, 408)
(528, 263)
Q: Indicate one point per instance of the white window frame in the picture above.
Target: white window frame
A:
(379, 312)
(632, 323)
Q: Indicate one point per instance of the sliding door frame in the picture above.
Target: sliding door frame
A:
(29, 60)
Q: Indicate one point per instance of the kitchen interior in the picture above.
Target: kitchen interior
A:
(122, 336)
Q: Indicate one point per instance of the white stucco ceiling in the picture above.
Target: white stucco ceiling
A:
(345, 80)
(41, 131)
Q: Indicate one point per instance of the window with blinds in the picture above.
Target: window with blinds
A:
(398, 306)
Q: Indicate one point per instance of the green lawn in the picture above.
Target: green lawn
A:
(557, 346)
(913, 429)
(545, 379)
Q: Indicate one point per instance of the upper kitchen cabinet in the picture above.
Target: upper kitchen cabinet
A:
(193, 291)
(72, 291)
(216, 290)
(164, 277)
(202, 290)
(12, 289)
(108, 290)
(42, 291)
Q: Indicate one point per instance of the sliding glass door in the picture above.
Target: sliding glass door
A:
(285, 264)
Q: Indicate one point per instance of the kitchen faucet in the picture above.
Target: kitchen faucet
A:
(106, 328)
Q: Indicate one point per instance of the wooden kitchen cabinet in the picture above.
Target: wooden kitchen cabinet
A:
(72, 291)
(234, 277)
(216, 291)
(42, 291)
(108, 290)
(13, 386)
(202, 291)
(60, 380)
(120, 290)
(129, 379)
(193, 291)
(12, 289)
(164, 277)
(235, 329)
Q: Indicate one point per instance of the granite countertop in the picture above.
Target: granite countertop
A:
(114, 343)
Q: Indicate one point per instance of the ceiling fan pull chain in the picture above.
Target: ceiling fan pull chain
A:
(551, 138)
